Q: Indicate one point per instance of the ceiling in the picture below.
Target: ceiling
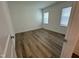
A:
(38, 4)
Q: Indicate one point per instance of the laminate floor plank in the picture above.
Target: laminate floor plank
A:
(47, 45)
(51, 40)
(40, 43)
(46, 42)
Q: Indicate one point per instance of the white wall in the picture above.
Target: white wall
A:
(54, 17)
(24, 16)
(76, 50)
(5, 27)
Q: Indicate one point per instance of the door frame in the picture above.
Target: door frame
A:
(6, 11)
(72, 35)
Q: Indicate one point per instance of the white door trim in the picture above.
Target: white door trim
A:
(72, 34)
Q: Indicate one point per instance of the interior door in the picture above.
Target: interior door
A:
(72, 34)
(7, 44)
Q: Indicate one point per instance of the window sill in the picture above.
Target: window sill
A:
(45, 24)
(62, 26)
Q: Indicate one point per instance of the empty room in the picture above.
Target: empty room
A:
(39, 29)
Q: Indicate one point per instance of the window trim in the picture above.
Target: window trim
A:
(61, 15)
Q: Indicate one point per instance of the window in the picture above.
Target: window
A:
(65, 16)
(45, 19)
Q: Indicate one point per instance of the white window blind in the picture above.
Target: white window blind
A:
(65, 16)
(45, 19)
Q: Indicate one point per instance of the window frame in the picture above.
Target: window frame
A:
(43, 17)
(61, 16)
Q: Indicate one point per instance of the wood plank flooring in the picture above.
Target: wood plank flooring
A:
(39, 43)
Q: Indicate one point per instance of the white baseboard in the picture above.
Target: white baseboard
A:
(54, 30)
